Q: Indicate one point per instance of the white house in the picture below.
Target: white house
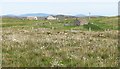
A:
(51, 18)
(32, 18)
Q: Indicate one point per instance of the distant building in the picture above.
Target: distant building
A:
(80, 21)
(41, 18)
(51, 18)
(60, 17)
(32, 18)
(77, 22)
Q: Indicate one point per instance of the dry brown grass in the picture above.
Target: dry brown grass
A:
(46, 47)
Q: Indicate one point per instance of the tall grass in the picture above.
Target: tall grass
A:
(49, 43)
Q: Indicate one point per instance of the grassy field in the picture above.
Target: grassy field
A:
(43, 43)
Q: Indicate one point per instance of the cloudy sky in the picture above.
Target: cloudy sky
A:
(68, 7)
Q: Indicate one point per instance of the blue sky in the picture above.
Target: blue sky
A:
(68, 8)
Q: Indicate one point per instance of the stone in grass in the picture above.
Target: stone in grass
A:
(74, 31)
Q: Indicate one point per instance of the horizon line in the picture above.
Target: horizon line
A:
(59, 14)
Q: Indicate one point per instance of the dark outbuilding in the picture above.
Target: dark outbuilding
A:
(77, 22)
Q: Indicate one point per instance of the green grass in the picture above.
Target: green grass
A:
(96, 24)
(30, 43)
(106, 23)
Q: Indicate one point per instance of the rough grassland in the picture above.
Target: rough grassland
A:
(31, 46)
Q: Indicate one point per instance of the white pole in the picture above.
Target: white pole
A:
(89, 21)
(89, 17)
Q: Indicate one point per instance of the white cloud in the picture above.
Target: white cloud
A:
(60, 1)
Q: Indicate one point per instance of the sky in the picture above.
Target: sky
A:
(66, 7)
